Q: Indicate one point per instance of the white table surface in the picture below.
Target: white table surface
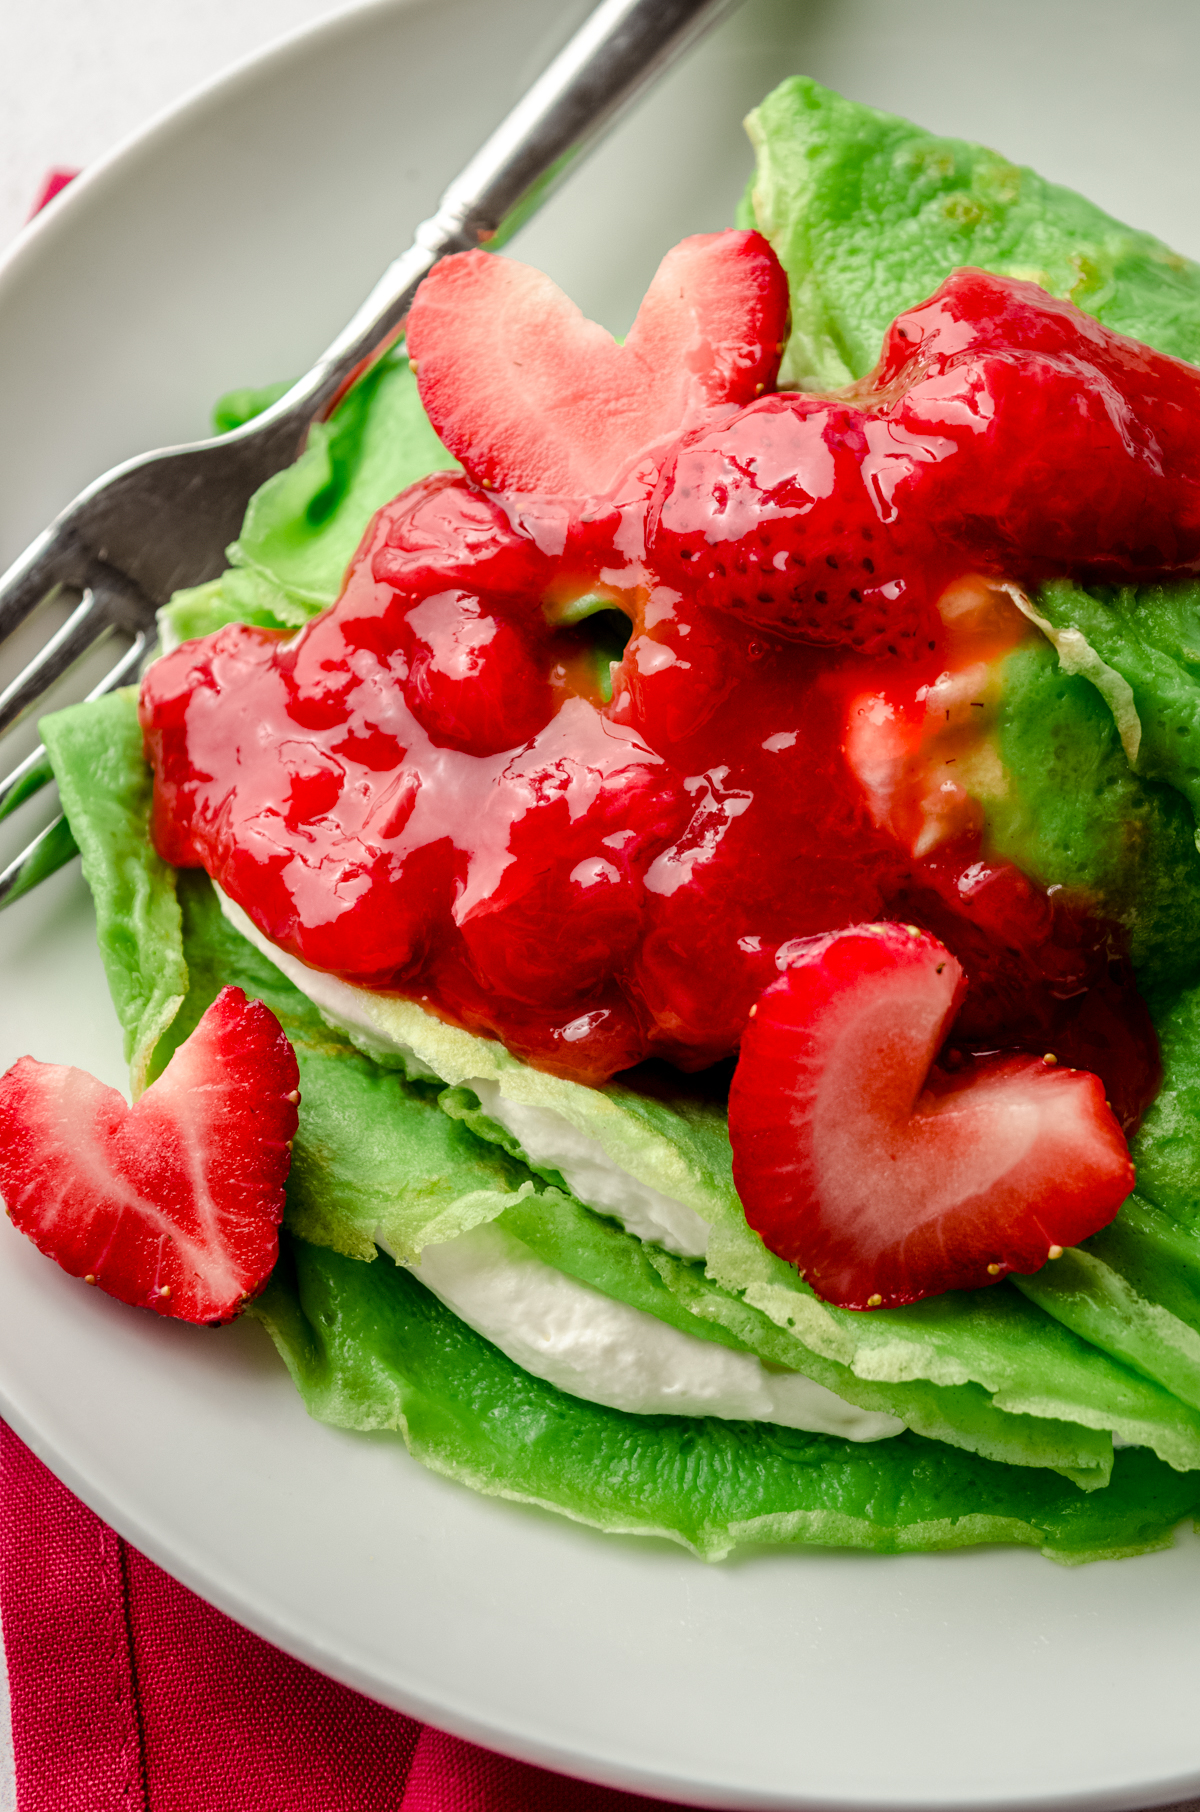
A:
(78, 76)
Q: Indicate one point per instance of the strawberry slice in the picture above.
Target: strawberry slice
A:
(173, 1204)
(770, 515)
(884, 1178)
(532, 396)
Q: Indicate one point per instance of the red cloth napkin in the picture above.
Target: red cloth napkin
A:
(53, 181)
(130, 1694)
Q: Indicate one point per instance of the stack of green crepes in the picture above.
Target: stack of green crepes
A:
(1011, 1396)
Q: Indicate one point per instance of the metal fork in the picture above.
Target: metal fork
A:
(164, 520)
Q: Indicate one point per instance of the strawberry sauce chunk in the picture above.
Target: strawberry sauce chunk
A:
(173, 1204)
(600, 725)
(1003, 431)
(884, 1177)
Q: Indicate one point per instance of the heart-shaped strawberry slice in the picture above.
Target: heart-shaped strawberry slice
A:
(173, 1204)
(883, 1178)
(532, 396)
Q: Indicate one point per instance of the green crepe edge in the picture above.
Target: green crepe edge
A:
(144, 1026)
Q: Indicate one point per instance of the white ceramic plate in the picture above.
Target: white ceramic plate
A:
(223, 247)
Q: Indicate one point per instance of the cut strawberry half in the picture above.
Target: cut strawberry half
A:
(884, 1178)
(532, 396)
(769, 515)
(173, 1204)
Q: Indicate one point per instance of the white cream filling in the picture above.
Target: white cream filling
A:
(553, 1326)
(342, 1004)
(547, 1138)
(593, 1347)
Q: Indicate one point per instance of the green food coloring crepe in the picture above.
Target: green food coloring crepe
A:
(370, 1348)
(869, 215)
(382, 1159)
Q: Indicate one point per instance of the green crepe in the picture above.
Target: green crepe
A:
(1146, 640)
(868, 215)
(1076, 815)
(1134, 1287)
(369, 1348)
(376, 1156)
(105, 789)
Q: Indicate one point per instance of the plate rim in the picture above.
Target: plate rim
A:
(58, 218)
(90, 183)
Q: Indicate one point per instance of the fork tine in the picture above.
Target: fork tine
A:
(89, 621)
(128, 665)
(35, 771)
(55, 845)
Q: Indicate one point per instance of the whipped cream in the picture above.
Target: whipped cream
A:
(593, 1347)
(576, 1338)
(547, 1138)
(551, 1142)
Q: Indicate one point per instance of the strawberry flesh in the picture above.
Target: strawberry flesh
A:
(532, 396)
(885, 1178)
(430, 791)
(173, 1204)
(1003, 432)
(771, 516)
(1041, 975)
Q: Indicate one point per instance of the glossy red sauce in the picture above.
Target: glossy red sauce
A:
(425, 791)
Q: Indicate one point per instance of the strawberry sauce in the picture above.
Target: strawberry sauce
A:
(443, 788)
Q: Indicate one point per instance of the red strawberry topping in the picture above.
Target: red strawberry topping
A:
(532, 396)
(772, 516)
(839, 520)
(450, 786)
(885, 1178)
(173, 1204)
(449, 534)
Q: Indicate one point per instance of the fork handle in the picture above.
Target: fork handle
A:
(202, 489)
(618, 52)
